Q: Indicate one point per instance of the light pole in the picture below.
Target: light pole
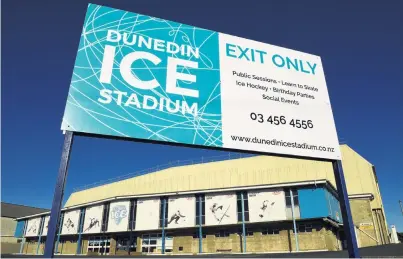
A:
(401, 206)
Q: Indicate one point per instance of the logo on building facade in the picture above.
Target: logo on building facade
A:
(119, 212)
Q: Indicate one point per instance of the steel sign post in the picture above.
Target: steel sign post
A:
(293, 221)
(345, 210)
(58, 196)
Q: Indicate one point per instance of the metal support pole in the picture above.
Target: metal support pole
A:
(243, 225)
(58, 234)
(23, 236)
(80, 230)
(293, 221)
(164, 205)
(132, 213)
(58, 195)
(129, 244)
(401, 206)
(345, 210)
(200, 225)
(40, 234)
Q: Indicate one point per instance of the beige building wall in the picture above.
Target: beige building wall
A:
(8, 241)
(364, 223)
(8, 226)
(321, 238)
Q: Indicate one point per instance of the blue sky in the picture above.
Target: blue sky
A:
(360, 43)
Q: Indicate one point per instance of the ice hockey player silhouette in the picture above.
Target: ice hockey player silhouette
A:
(93, 222)
(214, 208)
(33, 228)
(69, 224)
(176, 216)
(264, 207)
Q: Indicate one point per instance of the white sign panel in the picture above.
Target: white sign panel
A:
(221, 209)
(148, 212)
(70, 222)
(181, 212)
(33, 227)
(151, 81)
(93, 219)
(45, 226)
(118, 216)
(275, 100)
(267, 205)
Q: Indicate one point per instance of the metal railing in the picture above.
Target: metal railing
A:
(171, 164)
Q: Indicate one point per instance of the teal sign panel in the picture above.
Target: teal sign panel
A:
(147, 78)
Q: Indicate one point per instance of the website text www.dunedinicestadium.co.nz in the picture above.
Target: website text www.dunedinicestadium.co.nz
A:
(275, 142)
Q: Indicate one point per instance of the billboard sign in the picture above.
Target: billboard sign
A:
(33, 227)
(267, 205)
(93, 219)
(147, 215)
(221, 209)
(70, 222)
(142, 77)
(181, 211)
(118, 216)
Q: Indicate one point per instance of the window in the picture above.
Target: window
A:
(288, 197)
(164, 199)
(203, 212)
(124, 244)
(288, 203)
(304, 228)
(270, 231)
(152, 243)
(180, 248)
(222, 233)
(239, 206)
(132, 216)
(99, 244)
(105, 217)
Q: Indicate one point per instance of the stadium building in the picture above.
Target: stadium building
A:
(253, 204)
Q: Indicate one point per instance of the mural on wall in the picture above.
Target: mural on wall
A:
(181, 211)
(221, 209)
(118, 216)
(267, 205)
(33, 227)
(70, 222)
(93, 219)
(45, 226)
(147, 215)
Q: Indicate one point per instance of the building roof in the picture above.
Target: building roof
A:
(10, 210)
